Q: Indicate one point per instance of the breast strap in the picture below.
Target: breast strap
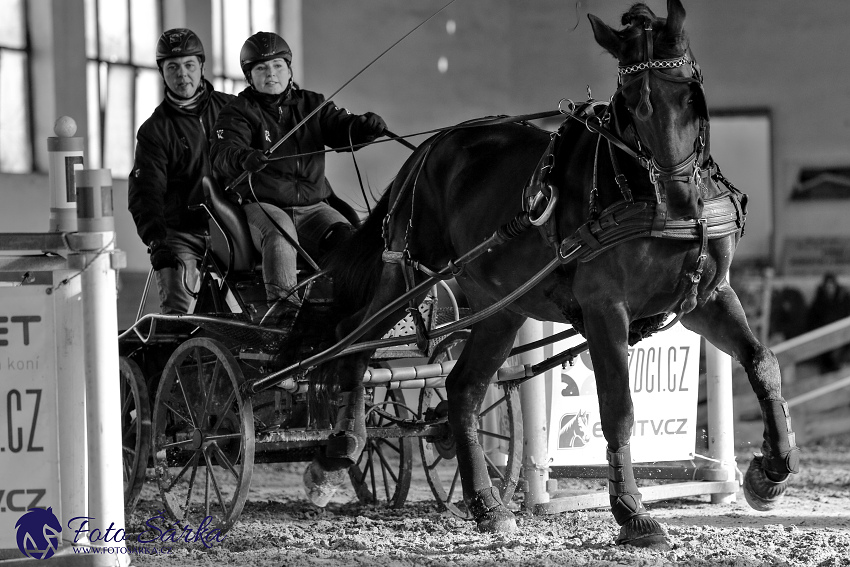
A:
(724, 215)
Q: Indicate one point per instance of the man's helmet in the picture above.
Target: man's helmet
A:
(263, 46)
(179, 42)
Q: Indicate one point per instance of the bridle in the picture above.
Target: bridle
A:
(689, 169)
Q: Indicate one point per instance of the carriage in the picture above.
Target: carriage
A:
(189, 414)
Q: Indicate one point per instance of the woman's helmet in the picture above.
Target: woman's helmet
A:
(178, 42)
(263, 46)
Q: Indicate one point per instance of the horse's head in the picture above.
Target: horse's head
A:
(659, 106)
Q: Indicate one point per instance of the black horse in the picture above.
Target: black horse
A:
(631, 223)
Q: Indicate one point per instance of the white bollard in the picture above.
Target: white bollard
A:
(535, 457)
(71, 383)
(721, 425)
(97, 258)
(65, 156)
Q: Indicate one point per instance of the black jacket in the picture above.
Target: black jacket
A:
(258, 121)
(172, 156)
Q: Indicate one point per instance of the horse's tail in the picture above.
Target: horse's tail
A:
(355, 268)
(355, 265)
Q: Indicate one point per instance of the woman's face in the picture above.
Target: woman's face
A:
(183, 74)
(271, 77)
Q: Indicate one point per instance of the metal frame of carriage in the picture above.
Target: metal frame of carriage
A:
(228, 436)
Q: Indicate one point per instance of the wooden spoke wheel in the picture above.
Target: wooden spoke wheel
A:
(382, 475)
(135, 429)
(499, 433)
(203, 439)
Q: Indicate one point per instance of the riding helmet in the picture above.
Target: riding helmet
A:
(263, 46)
(178, 42)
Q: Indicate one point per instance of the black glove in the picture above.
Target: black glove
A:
(255, 161)
(162, 256)
(372, 125)
(233, 197)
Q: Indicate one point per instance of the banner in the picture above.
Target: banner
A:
(664, 383)
(29, 453)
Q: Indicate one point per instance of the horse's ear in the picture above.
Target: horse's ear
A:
(675, 17)
(605, 36)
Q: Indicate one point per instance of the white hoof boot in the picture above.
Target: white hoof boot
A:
(320, 485)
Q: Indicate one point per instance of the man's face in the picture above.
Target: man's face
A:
(183, 74)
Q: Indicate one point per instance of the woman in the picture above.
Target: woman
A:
(291, 193)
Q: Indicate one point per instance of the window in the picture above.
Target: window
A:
(16, 149)
(124, 85)
(232, 25)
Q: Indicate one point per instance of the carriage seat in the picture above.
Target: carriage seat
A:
(230, 237)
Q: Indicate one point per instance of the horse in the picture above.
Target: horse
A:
(614, 224)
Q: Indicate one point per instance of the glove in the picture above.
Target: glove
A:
(162, 256)
(372, 125)
(255, 161)
(233, 197)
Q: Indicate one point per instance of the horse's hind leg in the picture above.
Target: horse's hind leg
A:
(328, 469)
(721, 320)
(606, 328)
(484, 352)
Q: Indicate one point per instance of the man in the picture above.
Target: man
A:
(172, 157)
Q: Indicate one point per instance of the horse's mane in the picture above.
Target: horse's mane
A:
(665, 46)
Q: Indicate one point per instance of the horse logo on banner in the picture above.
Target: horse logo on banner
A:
(575, 430)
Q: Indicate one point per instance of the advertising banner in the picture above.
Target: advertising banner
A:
(664, 383)
(29, 454)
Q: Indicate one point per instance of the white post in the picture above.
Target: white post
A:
(721, 433)
(65, 156)
(97, 259)
(535, 459)
(71, 383)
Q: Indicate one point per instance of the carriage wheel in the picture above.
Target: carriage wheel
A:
(203, 439)
(499, 433)
(135, 429)
(382, 475)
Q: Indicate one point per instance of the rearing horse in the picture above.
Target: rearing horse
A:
(632, 222)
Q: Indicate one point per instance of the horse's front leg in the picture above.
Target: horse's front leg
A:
(721, 320)
(484, 352)
(607, 328)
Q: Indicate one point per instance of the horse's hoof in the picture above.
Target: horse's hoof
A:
(762, 494)
(320, 484)
(643, 531)
(349, 436)
(498, 521)
(490, 514)
(345, 445)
